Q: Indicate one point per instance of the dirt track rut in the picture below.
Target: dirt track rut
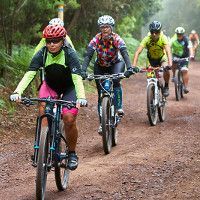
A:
(161, 162)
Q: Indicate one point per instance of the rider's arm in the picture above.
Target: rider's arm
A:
(169, 54)
(41, 44)
(143, 44)
(190, 47)
(36, 63)
(136, 55)
(197, 39)
(75, 68)
(69, 41)
(87, 58)
(120, 44)
(125, 56)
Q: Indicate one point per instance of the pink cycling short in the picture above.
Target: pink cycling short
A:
(46, 91)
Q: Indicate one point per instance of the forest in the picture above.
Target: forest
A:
(22, 22)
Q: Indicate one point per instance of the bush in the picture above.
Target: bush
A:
(132, 45)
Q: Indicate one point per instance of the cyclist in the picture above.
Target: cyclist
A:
(42, 43)
(107, 45)
(158, 51)
(194, 38)
(62, 77)
(181, 48)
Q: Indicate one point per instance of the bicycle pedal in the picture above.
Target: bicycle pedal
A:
(34, 164)
(32, 157)
(63, 165)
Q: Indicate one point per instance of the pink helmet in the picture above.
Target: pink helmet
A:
(54, 31)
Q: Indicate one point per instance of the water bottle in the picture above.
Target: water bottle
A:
(49, 109)
(107, 85)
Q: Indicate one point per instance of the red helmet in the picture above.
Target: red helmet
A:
(54, 31)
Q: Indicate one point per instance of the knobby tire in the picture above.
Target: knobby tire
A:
(106, 125)
(151, 107)
(41, 176)
(61, 171)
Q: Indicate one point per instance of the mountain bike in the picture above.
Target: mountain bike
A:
(50, 146)
(156, 101)
(108, 113)
(178, 79)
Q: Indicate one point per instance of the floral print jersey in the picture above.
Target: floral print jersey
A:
(107, 50)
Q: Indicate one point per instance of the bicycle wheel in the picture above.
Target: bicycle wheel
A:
(161, 106)
(114, 129)
(106, 125)
(61, 171)
(177, 86)
(151, 106)
(180, 81)
(42, 165)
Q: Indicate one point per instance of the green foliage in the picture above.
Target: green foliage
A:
(179, 13)
(5, 61)
(2, 103)
(126, 26)
(132, 45)
(21, 57)
(73, 4)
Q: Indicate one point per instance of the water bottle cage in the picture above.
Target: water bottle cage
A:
(49, 109)
(106, 85)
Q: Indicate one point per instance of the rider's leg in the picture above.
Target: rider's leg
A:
(174, 65)
(71, 132)
(98, 70)
(166, 76)
(185, 80)
(118, 68)
(45, 91)
(195, 49)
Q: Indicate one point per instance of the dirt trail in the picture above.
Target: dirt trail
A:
(161, 162)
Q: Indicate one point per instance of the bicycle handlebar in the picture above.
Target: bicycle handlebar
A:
(30, 101)
(161, 69)
(176, 59)
(91, 77)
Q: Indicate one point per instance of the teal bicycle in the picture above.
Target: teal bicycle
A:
(50, 146)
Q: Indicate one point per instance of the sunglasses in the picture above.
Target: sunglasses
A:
(104, 27)
(54, 40)
(155, 32)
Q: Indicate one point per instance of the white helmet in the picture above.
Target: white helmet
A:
(56, 21)
(180, 30)
(193, 32)
(106, 20)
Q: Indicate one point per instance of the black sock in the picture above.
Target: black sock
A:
(167, 85)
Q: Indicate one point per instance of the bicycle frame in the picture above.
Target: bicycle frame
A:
(178, 81)
(155, 99)
(153, 78)
(109, 118)
(53, 125)
(108, 92)
(49, 150)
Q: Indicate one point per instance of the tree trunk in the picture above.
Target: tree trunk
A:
(74, 19)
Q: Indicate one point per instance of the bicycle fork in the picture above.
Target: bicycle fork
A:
(154, 82)
(36, 142)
